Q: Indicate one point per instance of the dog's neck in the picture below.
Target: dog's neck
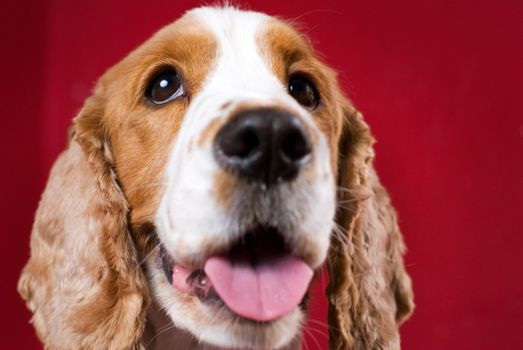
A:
(161, 334)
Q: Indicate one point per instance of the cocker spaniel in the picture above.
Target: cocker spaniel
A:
(211, 174)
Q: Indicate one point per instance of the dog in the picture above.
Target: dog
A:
(209, 177)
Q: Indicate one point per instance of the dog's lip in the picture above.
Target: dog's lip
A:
(179, 276)
(263, 247)
(183, 279)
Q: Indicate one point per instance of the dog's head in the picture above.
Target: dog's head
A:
(220, 150)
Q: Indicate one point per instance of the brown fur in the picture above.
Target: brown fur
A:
(223, 188)
(369, 292)
(83, 261)
(83, 282)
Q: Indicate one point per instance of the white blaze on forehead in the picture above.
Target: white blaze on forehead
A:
(240, 67)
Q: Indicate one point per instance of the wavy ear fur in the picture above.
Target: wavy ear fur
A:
(369, 292)
(82, 282)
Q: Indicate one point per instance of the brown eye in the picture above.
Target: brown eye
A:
(304, 91)
(164, 87)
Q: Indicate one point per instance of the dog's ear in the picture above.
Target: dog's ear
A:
(369, 292)
(83, 282)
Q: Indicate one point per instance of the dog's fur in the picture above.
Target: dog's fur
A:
(134, 173)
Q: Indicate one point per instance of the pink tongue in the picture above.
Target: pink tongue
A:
(262, 292)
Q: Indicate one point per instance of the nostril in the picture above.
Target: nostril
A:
(249, 141)
(295, 145)
(240, 145)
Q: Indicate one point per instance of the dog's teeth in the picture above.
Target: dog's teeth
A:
(202, 280)
(199, 283)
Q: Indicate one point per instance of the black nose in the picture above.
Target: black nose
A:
(263, 145)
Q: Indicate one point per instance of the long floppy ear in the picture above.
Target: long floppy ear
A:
(369, 292)
(82, 282)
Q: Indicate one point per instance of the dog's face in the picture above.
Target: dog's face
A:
(224, 128)
(214, 153)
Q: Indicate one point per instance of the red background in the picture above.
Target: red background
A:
(438, 81)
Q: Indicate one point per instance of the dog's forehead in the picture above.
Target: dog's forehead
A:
(228, 21)
(240, 63)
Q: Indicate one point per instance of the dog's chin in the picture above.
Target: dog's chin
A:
(210, 321)
(249, 296)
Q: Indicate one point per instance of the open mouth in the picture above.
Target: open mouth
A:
(258, 278)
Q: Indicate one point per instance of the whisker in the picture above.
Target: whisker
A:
(307, 330)
(326, 326)
(323, 324)
(162, 330)
(323, 333)
(350, 200)
(305, 345)
(344, 207)
(319, 323)
(148, 255)
(308, 13)
(340, 234)
(345, 189)
(357, 193)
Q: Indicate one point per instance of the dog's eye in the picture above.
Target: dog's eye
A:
(304, 91)
(164, 87)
